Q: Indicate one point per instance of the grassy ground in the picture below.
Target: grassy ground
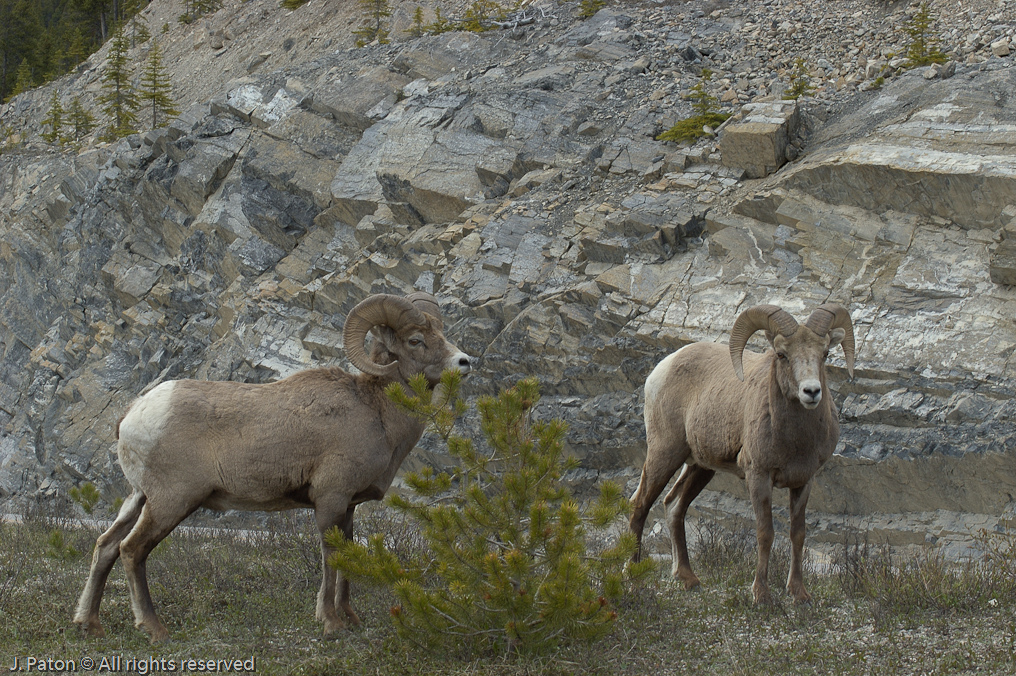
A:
(225, 598)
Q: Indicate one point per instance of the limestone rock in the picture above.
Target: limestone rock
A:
(758, 141)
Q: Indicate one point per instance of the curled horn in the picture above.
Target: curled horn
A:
(425, 303)
(831, 316)
(771, 318)
(377, 310)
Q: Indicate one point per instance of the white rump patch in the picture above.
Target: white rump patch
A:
(659, 375)
(142, 428)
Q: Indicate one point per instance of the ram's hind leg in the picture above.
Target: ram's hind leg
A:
(660, 466)
(688, 486)
(156, 522)
(107, 551)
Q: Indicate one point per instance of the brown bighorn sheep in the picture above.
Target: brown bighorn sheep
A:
(322, 438)
(777, 428)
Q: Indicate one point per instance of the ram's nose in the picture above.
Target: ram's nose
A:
(461, 361)
(810, 393)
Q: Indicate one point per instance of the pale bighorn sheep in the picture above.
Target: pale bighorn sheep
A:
(322, 438)
(778, 427)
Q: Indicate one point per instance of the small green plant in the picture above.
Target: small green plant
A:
(58, 548)
(878, 82)
(707, 112)
(195, 9)
(373, 27)
(87, 497)
(440, 24)
(292, 4)
(24, 80)
(418, 28)
(508, 570)
(82, 122)
(165, 28)
(588, 8)
(478, 16)
(923, 48)
(800, 81)
(54, 120)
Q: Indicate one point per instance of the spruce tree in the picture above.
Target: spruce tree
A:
(156, 90)
(53, 120)
(417, 29)
(119, 99)
(923, 48)
(373, 28)
(24, 80)
(82, 122)
(508, 569)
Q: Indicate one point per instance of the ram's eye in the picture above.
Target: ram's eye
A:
(781, 355)
(415, 342)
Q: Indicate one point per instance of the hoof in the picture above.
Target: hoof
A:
(800, 598)
(351, 615)
(92, 628)
(333, 625)
(688, 579)
(156, 632)
(762, 596)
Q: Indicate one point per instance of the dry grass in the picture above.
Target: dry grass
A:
(226, 597)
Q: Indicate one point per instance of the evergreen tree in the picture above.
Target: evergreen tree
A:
(417, 29)
(800, 81)
(508, 568)
(138, 26)
(24, 80)
(54, 120)
(707, 113)
(119, 99)
(373, 28)
(82, 122)
(156, 90)
(923, 48)
(19, 29)
(77, 48)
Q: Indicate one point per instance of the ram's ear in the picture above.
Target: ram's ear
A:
(770, 336)
(836, 337)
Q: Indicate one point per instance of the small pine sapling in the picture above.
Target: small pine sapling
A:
(86, 497)
(923, 48)
(707, 114)
(509, 570)
(23, 79)
(800, 81)
(589, 8)
(440, 24)
(119, 98)
(373, 27)
(155, 92)
(82, 122)
(478, 16)
(418, 28)
(54, 120)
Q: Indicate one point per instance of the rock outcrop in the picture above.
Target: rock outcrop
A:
(517, 177)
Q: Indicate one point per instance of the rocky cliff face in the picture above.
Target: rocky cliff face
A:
(515, 175)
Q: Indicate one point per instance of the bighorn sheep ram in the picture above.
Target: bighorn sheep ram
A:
(322, 438)
(776, 428)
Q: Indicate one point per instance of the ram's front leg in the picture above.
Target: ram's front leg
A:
(795, 581)
(760, 489)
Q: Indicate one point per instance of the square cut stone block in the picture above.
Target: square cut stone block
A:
(758, 142)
